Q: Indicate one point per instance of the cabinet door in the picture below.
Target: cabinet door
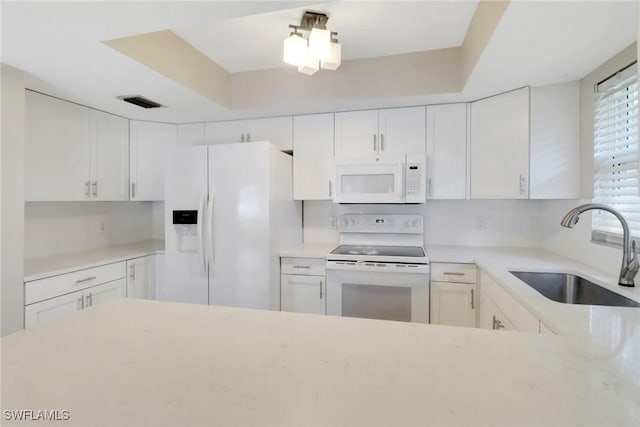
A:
(224, 132)
(57, 156)
(191, 134)
(141, 277)
(555, 141)
(356, 134)
(491, 317)
(149, 147)
(105, 292)
(453, 304)
(447, 151)
(303, 294)
(500, 146)
(277, 130)
(109, 156)
(43, 311)
(402, 130)
(313, 169)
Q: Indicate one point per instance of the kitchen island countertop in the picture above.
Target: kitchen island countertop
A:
(135, 362)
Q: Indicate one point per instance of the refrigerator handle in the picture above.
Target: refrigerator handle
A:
(209, 225)
(200, 225)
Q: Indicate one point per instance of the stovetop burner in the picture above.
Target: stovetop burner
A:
(385, 251)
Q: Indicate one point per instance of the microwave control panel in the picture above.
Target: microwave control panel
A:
(413, 178)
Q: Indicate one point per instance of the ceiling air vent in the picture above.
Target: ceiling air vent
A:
(140, 101)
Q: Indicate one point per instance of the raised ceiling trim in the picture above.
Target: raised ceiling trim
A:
(171, 56)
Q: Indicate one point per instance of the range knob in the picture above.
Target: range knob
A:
(415, 223)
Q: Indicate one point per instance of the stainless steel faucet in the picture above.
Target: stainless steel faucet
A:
(630, 264)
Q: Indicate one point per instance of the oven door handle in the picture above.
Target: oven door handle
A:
(371, 267)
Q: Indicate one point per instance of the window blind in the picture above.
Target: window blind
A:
(615, 154)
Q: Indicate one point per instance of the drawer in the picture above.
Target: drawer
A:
(459, 273)
(521, 318)
(38, 290)
(303, 266)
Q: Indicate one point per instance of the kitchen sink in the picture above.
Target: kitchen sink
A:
(572, 289)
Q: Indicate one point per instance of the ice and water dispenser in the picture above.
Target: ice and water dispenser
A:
(185, 223)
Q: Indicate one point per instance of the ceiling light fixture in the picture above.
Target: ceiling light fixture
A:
(320, 50)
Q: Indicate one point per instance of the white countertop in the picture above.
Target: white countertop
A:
(136, 363)
(39, 268)
(310, 250)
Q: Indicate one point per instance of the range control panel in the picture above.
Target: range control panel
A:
(390, 224)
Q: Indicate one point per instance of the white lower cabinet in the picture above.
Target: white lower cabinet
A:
(453, 294)
(43, 311)
(141, 277)
(303, 285)
(499, 310)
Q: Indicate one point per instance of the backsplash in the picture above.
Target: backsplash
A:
(511, 223)
(53, 228)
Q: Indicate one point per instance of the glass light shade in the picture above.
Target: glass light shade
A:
(319, 41)
(295, 48)
(334, 58)
(310, 64)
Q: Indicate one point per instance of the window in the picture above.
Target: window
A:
(615, 154)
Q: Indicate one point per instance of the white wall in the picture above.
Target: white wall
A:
(509, 223)
(63, 227)
(157, 219)
(12, 190)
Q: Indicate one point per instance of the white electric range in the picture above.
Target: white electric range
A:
(380, 270)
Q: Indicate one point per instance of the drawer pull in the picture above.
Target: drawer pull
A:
(85, 280)
(301, 266)
(473, 304)
(450, 273)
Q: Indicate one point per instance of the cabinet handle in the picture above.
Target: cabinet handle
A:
(375, 142)
(81, 301)
(497, 324)
(381, 142)
(87, 190)
(473, 305)
(320, 289)
(301, 266)
(95, 189)
(330, 189)
(242, 138)
(85, 280)
(132, 272)
(451, 273)
(133, 190)
(248, 137)
(523, 182)
(89, 300)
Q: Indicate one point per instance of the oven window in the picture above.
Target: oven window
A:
(376, 302)
(368, 184)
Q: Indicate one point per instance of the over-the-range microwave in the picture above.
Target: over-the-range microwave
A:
(398, 179)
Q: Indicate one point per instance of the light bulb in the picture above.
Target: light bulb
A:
(310, 64)
(319, 41)
(295, 48)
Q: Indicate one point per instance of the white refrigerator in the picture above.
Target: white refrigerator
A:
(242, 195)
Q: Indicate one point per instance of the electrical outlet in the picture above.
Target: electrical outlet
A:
(481, 222)
(103, 227)
(332, 222)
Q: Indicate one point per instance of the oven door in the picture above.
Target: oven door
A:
(370, 183)
(387, 291)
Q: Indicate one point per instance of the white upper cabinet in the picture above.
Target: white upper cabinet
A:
(191, 134)
(401, 130)
(73, 152)
(356, 134)
(149, 146)
(277, 130)
(375, 133)
(109, 156)
(555, 141)
(500, 146)
(447, 151)
(313, 169)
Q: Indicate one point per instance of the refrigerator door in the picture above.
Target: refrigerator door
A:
(239, 273)
(184, 271)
